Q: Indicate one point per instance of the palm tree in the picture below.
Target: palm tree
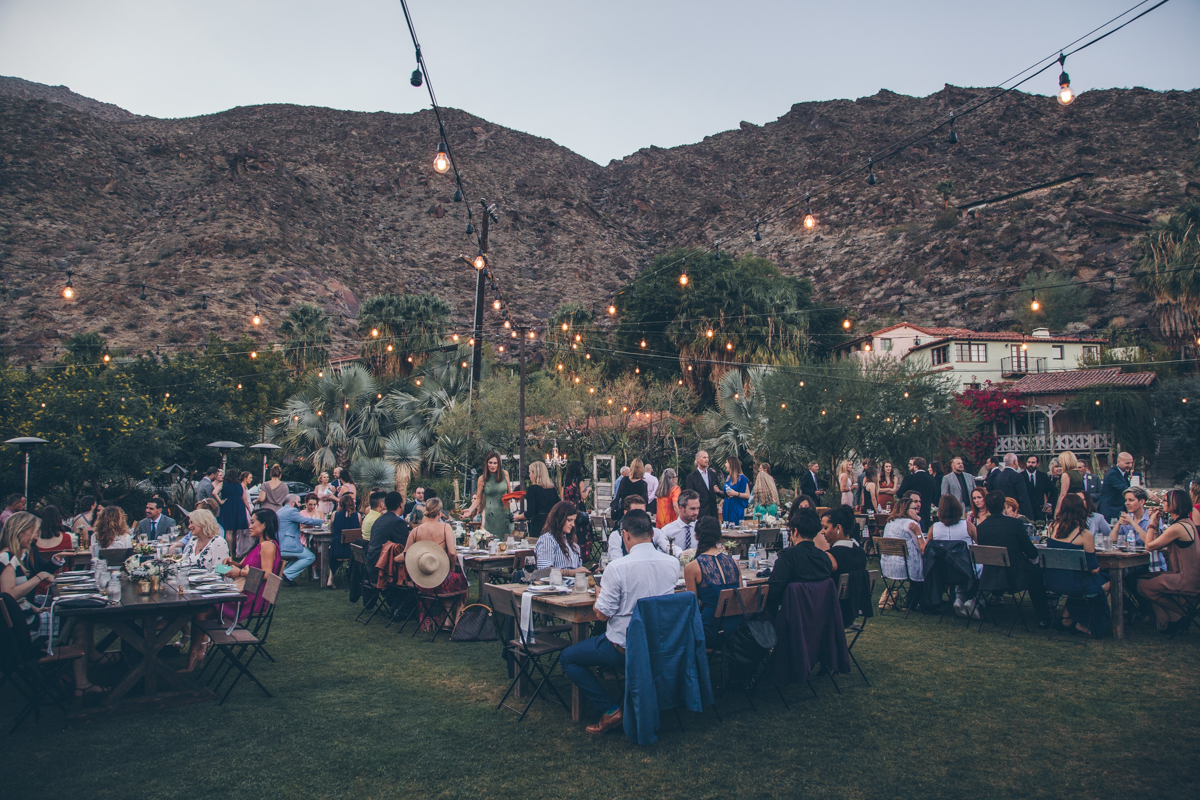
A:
(945, 189)
(738, 425)
(409, 324)
(305, 332)
(404, 452)
(85, 349)
(1170, 270)
(443, 384)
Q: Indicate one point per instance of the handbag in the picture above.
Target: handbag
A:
(753, 639)
(474, 625)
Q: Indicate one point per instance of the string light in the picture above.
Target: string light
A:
(612, 310)
(683, 279)
(480, 260)
(374, 331)
(578, 337)
(496, 304)
(532, 335)
(1065, 95)
(870, 176)
(410, 359)
(501, 348)
(643, 342)
(321, 374)
(254, 354)
(471, 341)
(454, 338)
(709, 333)
(254, 320)
(68, 292)
(389, 348)
(846, 324)
(418, 381)
(637, 370)
(507, 324)
(809, 220)
(783, 405)
(106, 358)
(1034, 305)
(441, 162)
(143, 297)
(729, 345)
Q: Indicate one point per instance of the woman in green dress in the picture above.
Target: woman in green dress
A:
(492, 486)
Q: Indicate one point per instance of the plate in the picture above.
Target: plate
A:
(548, 590)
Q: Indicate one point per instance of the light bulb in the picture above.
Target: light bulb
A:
(637, 370)
(709, 333)
(560, 367)
(254, 354)
(809, 221)
(480, 261)
(683, 279)
(579, 337)
(374, 331)
(418, 381)
(532, 335)
(1035, 305)
(454, 337)
(471, 341)
(321, 374)
(1065, 95)
(441, 162)
(866, 348)
(106, 359)
(565, 326)
(612, 310)
(389, 348)
(464, 364)
(729, 345)
(1024, 347)
(68, 292)
(846, 324)
(643, 342)
(501, 348)
(496, 304)
(256, 319)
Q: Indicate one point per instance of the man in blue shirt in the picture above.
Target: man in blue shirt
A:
(290, 521)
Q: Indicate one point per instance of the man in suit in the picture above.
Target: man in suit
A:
(923, 484)
(1000, 530)
(390, 527)
(156, 522)
(1091, 484)
(959, 483)
(707, 484)
(1039, 485)
(810, 484)
(1011, 484)
(1112, 491)
(204, 490)
(994, 467)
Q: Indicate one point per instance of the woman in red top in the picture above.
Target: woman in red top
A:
(52, 540)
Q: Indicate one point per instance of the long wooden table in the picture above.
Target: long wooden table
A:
(148, 623)
(1119, 563)
(320, 540)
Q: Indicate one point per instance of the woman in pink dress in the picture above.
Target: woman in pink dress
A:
(264, 555)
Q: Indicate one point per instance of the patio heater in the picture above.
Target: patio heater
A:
(265, 447)
(26, 443)
(224, 447)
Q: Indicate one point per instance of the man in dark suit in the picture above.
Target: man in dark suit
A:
(1039, 485)
(706, 483)
(390, 527)
(1011, 484)
(156, 522)
(1000, 530)
(994, 469)
(923, 484)
(810, 484)
(1112, 491)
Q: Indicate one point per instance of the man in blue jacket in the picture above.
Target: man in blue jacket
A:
(1112, 491)
(645, 572)
(290, 521)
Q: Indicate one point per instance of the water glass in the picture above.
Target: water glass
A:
(556, 577)
(114, 589)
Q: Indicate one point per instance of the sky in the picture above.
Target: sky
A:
(604, 79)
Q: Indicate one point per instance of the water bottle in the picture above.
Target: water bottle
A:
(753, 554)
(1131, 541)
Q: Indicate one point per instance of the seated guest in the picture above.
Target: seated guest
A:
(52, 539)
(83, 524)
(312, 507)
(1069, 531)
(645, 572)
(347, 516)
(680, 533)
(710, 572)
(434, 529)
(206, 547)
(390, 527)
(1097, 524)
(289, 520)
(616, 548)
(376, 502)
(904, 523)
(417, 501)
(1001, 529)
(557, 547)
(112, 531)
(1178, 541)
(803, 562)
(836, 526)
(156, 522)
(951, 526)
(978, 512)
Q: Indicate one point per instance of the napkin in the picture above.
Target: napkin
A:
(527, 617)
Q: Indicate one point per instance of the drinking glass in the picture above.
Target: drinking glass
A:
(102, 579)
(114, 589)
(556, 577)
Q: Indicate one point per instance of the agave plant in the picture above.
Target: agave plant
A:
(404, 452)
(451, 455)
(372, 473)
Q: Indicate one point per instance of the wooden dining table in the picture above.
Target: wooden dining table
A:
(147, 623)
(320, 540)
(743, 539)
(1119, 564)
(486, 565)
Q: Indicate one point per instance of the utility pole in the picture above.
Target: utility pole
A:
(521, 439)
(480, 276)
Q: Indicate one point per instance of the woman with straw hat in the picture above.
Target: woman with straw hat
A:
(428, 556)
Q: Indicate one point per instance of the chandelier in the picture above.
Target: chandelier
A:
(554, 459)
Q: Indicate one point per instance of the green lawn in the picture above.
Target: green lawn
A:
(363, 713)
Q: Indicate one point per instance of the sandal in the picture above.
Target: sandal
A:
(91, 688)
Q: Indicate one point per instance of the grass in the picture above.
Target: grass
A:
(363, 713)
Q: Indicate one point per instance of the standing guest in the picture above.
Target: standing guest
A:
(204, 489)
(870, 489)
(837, 526)
(621, 477)
(112, 531)
(83, 524)
(706, 483)
(390, 527)
(418, 500)
(326, 494)
(272, 493)
(1001, 530)
(489, 494)
(737, 492)
(925, 485)
(708, 574)
(667, 508)
(682, 532)
(1014, 486)
(1069, 531)
(904, 523)
(1070, 480)
(635, 484)
(218, 483)
(1091, 484)
(935, 471)
(376, 511)
(846, 483)
(958, 482)
(1116, 481)
(575, 488)
(651, 487)
(345, 517)
(803, 562)
(1178, 542)
(540, 498)
(289, 519)
(346, 488)
(887, 485)
(766, 494)
(979, 511)
(645, 572)
(994, 468)
(810, 481)
(616, 546)
(337, 481)
(557, 547)
(1039, 485)
(235, 513)
(156, 523)
(434, 529)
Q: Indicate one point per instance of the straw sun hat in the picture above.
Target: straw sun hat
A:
(427, 564)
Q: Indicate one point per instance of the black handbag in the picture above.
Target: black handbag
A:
(474, 625)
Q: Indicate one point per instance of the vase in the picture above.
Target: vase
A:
(143, 587)
(155, 583)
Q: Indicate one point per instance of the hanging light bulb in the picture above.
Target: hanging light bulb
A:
(560, 367)
(418, 381)
(612, 310)
(254, 320)
(389, 348)
(500, 348)
(254, 354)
(471, 341)
(953, 137)
(68, 292)
(757, 235)
(441, 162)
(480, 260)
(809, 220)
(321, 374)
(507, 324)
(470, 229)
(1034, 305)
(532, 335)
(416, 80)
(643, 342)
(846, 324)
(637, 370)
(709, 333)
(409, 359)
(683, 279)
(1065, 95)
(204, 302)
(106, 358)
(565, 326)
(496, 304)
(457, 196)
(871, 181)
(143, 297)
(374, 331)
(454, 337)
(729, 345)
(578, 337)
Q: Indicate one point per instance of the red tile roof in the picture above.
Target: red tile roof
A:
(866, 337)
(1074, 380)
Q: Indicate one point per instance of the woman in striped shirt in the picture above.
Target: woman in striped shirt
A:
(557, 547)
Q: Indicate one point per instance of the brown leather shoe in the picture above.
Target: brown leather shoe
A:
(607, 722)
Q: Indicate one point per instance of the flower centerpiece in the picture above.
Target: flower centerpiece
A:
(148, 575)
(687, 556)
(730, 547)
(143, 549)
(770, 520)
(485, 539)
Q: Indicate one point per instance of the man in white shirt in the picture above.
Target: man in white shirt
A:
(651, 481)
(645, 572)
(682, 531)
(616, 548)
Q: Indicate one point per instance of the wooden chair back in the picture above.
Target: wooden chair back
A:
(274, 582)
(1072, 560)
(986, 556)
(768, 537)
(351, 535)
(888, 546)
(358, 551)
(843, 585)
(519, 557)
(875, 575)
(753, 598)
(254, 579)
(494, 598)
(116, 556)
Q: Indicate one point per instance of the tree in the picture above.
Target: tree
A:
(410, 324)
(86, 349)
(945, 189)
(439, 387)
(334, 421)
(1170, 270)
(738, 426)
(1122, 413)
(1061, 300)
(572, 345)
(305, 332)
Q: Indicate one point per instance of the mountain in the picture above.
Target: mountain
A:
(280, 204)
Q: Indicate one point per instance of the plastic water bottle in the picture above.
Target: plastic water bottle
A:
(1131, 540)
(753, 555)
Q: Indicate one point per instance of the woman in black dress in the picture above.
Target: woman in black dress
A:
(540, 497)
(347, 516)
(634, 484)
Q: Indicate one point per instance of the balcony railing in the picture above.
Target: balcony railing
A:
(1040, 443)
(1023, 365)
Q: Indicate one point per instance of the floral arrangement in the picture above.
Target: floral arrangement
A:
(143, 550)
(770, 520)
(730, 547)
(139, 570)
(484, 538)
(687, 556)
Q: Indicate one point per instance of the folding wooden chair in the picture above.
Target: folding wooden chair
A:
(528, 657)
(995, 563)
(740, 603)
(373, 599)
(768, 538)
(1189, 607)
(38, 677)
(116, 556)
(431, 605)
(859, 623)
(1068, 561)
(240, 645)
(887, 546)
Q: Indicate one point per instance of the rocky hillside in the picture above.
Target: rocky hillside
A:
(280, 204)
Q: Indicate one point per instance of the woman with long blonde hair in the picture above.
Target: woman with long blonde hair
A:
(846, 482)
(635, 484)
(766, 494)
(1071, 480)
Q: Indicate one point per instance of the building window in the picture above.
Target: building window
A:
(885, 345)
(973, 386)
(1091, 352)
(940, 355)
(1058, 352)
(970, 351)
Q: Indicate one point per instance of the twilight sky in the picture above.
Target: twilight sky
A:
(602, 78)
